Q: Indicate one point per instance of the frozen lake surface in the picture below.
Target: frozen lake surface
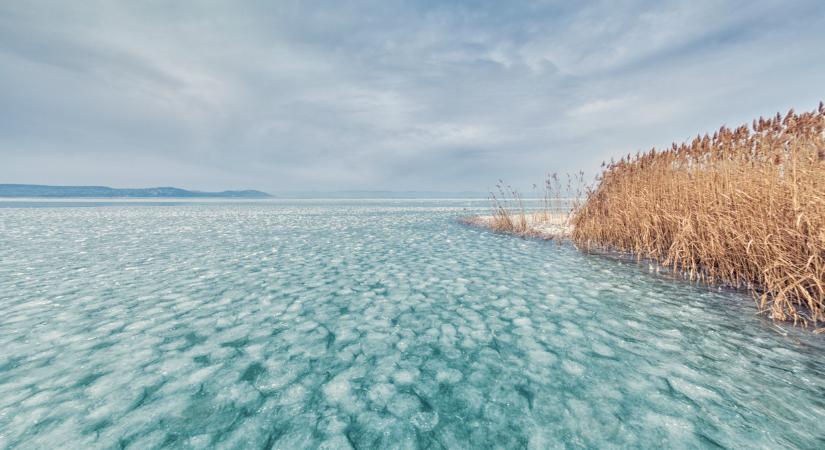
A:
(371, 324)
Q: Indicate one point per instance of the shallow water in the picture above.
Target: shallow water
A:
(371, 324)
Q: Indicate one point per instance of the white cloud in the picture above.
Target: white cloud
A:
(382, 95)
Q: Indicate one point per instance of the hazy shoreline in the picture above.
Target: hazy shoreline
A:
(49, 191)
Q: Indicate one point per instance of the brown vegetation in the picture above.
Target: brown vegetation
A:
(550, 219)
(743, 207)
(509, 215)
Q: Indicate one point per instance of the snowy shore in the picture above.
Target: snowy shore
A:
(538, 225)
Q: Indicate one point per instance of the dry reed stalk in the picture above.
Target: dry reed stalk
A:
(511, 216)
(743, 207)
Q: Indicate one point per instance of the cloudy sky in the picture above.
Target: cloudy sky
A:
(427, 95)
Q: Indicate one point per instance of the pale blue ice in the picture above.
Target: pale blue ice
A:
(372, 324)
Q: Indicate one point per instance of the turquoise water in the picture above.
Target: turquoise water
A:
(371, 324)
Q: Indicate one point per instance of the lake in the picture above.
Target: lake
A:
(371, 324)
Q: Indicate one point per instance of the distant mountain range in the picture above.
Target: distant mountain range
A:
(44, 191)
(38, 190)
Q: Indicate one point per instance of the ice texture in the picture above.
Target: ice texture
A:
(372, 324)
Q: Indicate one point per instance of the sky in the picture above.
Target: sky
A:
(383, 95)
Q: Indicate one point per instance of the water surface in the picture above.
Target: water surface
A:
(371, 324)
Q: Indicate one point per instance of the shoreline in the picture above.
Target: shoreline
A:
(537, 225)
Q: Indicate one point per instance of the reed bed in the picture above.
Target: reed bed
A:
(743, 207)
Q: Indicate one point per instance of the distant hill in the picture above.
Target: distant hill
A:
(37, 190)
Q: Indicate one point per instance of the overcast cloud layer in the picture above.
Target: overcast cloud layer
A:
(389, 95)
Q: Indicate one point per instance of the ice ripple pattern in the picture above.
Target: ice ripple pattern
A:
(312, 325)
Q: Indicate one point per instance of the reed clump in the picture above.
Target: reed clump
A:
(743, 207)
(547, 217)
(509, 214)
